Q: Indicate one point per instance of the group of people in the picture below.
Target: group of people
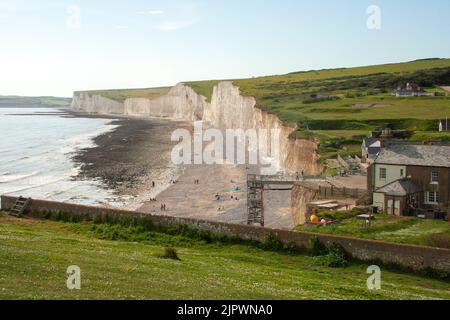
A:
(163, 207)
(300, 175)
(197, 181)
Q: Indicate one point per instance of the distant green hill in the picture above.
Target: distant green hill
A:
(33, 102)
(340, 106)
(121, 95)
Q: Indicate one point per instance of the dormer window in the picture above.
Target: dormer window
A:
(435, 177)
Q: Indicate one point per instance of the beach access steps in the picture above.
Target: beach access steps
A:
(20, 206)
(256, 185)
(255, 204)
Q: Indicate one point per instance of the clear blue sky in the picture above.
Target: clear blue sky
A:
(46, 50)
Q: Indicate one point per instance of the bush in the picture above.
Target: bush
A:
(334, 256)
(271, 242)
(170, 253)
(337, 256)
(316, 248)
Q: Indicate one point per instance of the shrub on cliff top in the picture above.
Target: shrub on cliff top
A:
(170, 253)
(333, 256)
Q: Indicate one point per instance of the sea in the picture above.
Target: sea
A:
(36, 149)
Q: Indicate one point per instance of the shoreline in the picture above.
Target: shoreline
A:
(138, 152)
(129, 158)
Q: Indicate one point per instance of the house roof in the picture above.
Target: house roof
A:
(373, 150)
(400, 188)
(370, 141)
(415, 155)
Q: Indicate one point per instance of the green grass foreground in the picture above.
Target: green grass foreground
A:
(405, 230)
(34, 256)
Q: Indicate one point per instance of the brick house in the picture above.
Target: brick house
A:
(408, 177)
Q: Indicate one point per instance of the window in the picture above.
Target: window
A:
(383, 173)
(435, 177)
(432, 197)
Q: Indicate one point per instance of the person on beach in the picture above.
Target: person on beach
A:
(153, 184)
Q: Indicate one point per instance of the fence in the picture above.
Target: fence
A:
(335, 192)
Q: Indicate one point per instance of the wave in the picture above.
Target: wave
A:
(6, 177)
(30, 187)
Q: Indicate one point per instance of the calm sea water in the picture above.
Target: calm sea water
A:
(36, 146)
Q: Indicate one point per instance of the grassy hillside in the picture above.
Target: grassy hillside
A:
(408, 230)
(122, 95)
(34, 256)
(352, 101)
(33, 102)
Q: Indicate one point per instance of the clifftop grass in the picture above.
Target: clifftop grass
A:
(34, 256)
(121, 95)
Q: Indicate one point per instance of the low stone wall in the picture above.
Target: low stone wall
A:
(414, 257)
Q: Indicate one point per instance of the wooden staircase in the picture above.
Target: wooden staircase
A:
(20, 206)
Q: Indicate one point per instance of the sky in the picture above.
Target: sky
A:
(55, 47)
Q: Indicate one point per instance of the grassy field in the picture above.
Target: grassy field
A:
(34, 256)
(408, 230)
(122, 95)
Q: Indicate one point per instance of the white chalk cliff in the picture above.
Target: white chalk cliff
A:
(228, 109)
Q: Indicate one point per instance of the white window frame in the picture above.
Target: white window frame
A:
(432, 197)
(384, 170)
(434, 174)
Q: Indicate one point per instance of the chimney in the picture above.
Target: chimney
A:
(386, 135)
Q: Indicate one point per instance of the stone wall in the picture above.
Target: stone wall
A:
(415, 257)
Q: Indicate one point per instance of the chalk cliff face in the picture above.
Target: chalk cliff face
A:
(96, 104)
(181, 103)
(228, 110)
